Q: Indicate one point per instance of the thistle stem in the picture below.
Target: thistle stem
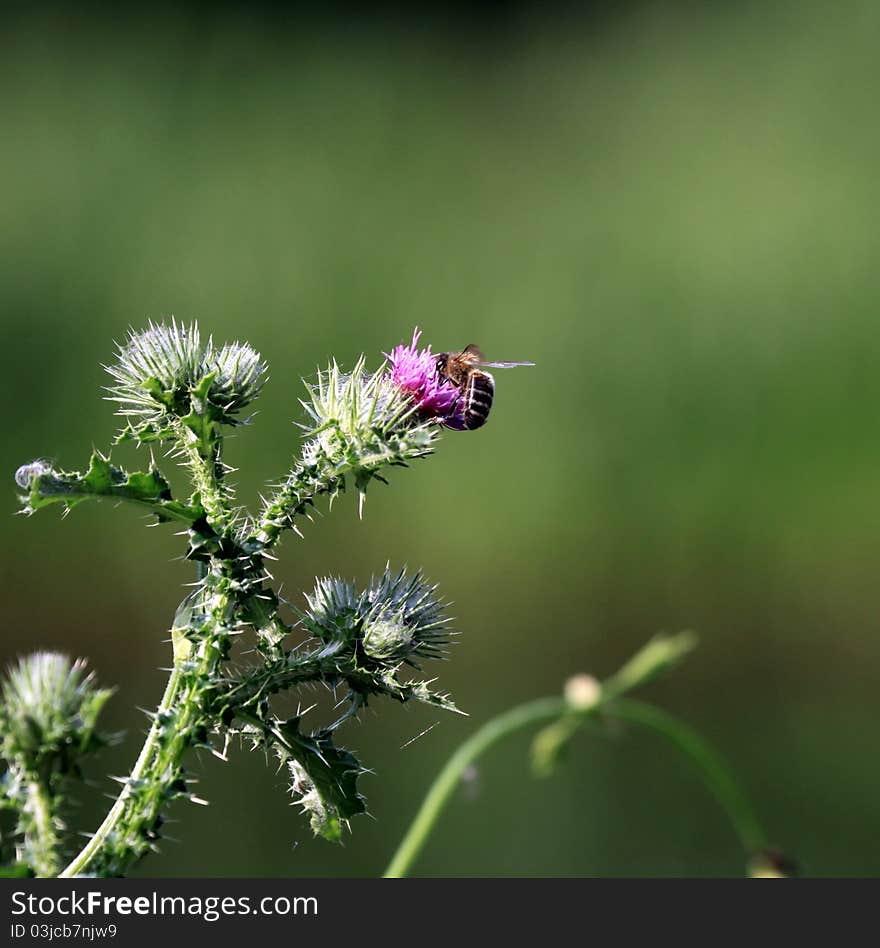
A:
(203, 456)
(44, 844)
(653, 658)
(713, 769)
(81, 862)
(204, 459)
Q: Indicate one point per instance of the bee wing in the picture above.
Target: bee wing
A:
(475, 356)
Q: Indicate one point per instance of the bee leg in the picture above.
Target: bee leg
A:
(453, 423)
(450, 419)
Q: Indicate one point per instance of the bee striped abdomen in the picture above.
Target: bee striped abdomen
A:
(479, 393)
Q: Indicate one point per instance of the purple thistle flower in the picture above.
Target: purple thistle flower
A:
(414, 371)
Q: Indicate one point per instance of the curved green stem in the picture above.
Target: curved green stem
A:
(203, 456)
(81, 862)
(181, 651)
(711, 766)
(449, 778)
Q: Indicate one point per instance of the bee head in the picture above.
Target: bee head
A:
(442, 359)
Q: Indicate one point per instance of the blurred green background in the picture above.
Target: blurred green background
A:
(671, 208)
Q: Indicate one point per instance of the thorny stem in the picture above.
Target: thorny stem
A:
(39, 806)
(203, 456)
(608, 700)
(81, 862)
(292, 499)
(169, 510)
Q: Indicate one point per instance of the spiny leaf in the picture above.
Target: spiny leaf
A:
(323, 776)
(45, 486)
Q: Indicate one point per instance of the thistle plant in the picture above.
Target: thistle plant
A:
(47, 726)
(179, 393)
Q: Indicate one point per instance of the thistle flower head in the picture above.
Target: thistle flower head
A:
(169, 359)
(397, 618)
(362, 422)
(167, 371)
(49, 712)
(239, 374)
(414, 372)
(355, 402)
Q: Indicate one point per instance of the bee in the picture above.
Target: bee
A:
(476, 388)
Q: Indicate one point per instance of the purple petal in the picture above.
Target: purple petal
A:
(414, 371)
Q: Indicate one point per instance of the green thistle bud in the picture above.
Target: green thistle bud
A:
(239, 374)
(396, 619)
(50, 709)
(405, 620)
(333, 614)
(354, 402)
(387, 637)
(362, 422)
(166, 372)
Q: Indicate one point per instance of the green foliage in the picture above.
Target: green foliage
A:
(46, 486)
(323, 776)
